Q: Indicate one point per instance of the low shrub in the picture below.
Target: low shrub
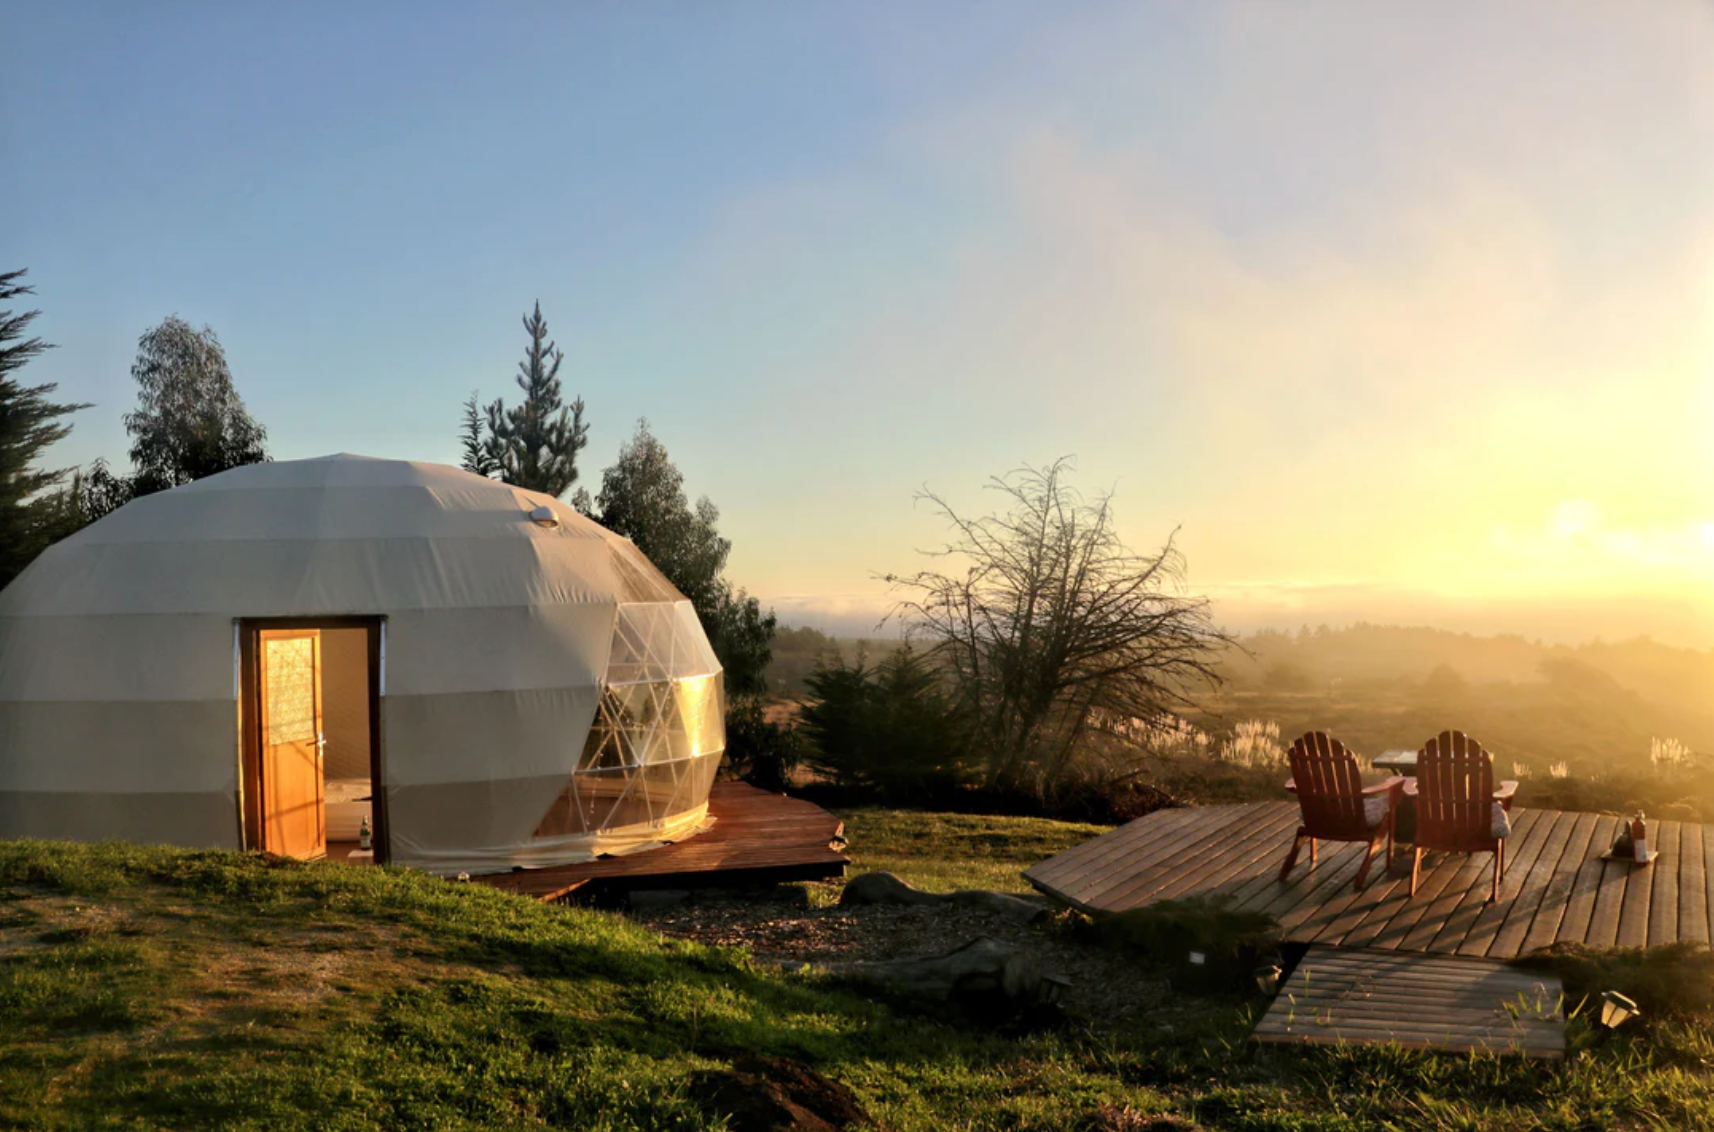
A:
(1673, 981)
(888, 731)
(1231, 943)
(761, 751)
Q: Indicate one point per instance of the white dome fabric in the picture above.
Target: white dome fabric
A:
(504, 636)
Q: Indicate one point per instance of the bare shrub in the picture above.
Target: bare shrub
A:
(1048, 626)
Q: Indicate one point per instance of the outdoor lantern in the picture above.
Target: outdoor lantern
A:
(1615, 1008)
(1268, 978)
(1052, 988)
(543, 516)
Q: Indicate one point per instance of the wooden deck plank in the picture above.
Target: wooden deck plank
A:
(1692, 895)
(1074, 874)
(1663, 894)
(1113, 851)
(1457, 909)
(1586, 886)
(1192, 849)
(1075, 887)
(1419, 1001)
(755, 834)
(1245, 893)
(1337, 867)
(1523, 889)
(1440, 870)
(1609, 904)
(1708, 875)
(1309, 917)
(1244, 843)
(1346, 913)
(1112, 846)
(1373, 915)
(1388, 919)
(1532, 924)
(1521, 883)
(1529, 831)
(1555, 886)
(1634, 910)
(1468, 888)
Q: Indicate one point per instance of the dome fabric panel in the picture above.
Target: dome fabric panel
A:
(118, 695)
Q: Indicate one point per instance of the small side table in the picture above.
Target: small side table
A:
(1398, 762)
(1402, 763)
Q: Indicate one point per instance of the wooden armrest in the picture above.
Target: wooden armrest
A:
(1385, 787)
(1504, 794)
(1291, 784)
(1410, 787)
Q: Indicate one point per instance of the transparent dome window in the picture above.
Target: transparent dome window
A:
(659, 728)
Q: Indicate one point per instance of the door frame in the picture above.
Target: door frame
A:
(246, 634)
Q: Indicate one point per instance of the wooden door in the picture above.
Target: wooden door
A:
(294, 820)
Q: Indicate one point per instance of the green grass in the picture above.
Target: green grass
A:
(156, 988)
(946, 852)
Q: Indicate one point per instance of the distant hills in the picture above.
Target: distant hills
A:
(1595, 706)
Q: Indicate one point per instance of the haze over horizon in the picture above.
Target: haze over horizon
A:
(1399, 313)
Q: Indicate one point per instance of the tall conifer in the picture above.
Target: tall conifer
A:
(534, 445)
(29, 424)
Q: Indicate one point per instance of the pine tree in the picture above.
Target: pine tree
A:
(476, 456)
(29, 423)
(535, 445)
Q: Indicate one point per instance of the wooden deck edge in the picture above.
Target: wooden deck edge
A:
(1059, 897)
(1551, 1053)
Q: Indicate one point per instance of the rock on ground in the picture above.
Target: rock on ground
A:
(773, 1094)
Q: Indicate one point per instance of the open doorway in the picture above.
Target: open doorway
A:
(311, 750)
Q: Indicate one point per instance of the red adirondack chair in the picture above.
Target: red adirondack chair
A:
(1455, 795)
(1336, 805)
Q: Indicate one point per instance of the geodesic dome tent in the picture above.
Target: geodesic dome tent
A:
(255, 659)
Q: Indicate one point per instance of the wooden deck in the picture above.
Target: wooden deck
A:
(757, 837)
(1556, 887)
(1417, 1001)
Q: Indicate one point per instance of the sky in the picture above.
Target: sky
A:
(1395, 312)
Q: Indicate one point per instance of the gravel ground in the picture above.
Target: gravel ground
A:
(1108, 990)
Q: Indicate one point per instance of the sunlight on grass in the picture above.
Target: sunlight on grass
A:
(160, 988)
(946, 852)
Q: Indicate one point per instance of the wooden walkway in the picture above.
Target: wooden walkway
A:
(1556, 887)
(1417, 1001)
(757, 837)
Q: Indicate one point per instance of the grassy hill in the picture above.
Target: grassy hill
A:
(145, 988)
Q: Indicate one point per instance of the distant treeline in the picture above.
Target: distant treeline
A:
(797, 651)
(1310, 659)
(1596, 706)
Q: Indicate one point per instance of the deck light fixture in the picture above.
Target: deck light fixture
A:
(1268, 978)
(543, 516)
(1052, 988)
(1615, 1008)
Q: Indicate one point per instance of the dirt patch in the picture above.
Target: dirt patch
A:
(1118, 1118)
(31, 922)
(772, 1094)
(1108, 989)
